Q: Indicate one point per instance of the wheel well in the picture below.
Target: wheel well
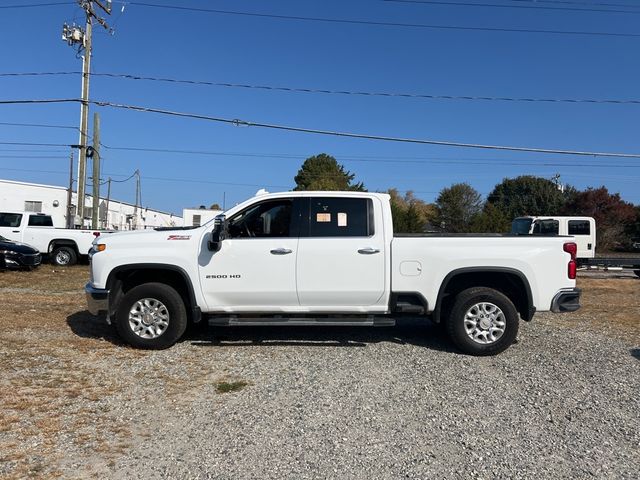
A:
(123, 280)
(511, 283)
(53, 244)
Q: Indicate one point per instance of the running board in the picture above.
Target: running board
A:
(368, 321)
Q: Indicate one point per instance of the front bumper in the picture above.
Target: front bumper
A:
(97, 299)
(566, 301)
(20, 260)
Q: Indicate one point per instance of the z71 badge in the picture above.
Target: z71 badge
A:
(178, 237)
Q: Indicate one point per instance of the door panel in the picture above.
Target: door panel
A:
(256, 265)
(341, 257)
(245, 272)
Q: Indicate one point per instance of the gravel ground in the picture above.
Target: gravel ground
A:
(325, 402)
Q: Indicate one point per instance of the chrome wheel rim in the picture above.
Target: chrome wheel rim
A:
(148, 318)
(62, 257)
(485, 323)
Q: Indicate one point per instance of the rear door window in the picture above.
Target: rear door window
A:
(40, 221)
(340, 217)
(579, 227)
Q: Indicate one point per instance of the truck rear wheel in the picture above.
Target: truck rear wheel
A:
(151, 315)
(64, 256)
(483, 321)
(637, 272)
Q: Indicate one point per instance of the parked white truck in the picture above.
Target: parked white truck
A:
(583, 230)
(326, 258)
(64, 246)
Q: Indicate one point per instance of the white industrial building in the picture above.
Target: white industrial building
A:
(194, 217)
(52, 200)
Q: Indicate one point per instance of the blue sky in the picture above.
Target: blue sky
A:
(263, 51)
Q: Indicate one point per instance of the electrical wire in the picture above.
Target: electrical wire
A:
(30, 5)
(39, 125)
(334, 133)
(571, 2)
(383, 24)
(245, 123)
(128, 76)
(495, 5)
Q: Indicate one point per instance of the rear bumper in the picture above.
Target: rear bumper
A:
(566, 301)
(97, 299)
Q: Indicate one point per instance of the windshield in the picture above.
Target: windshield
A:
(521, 226)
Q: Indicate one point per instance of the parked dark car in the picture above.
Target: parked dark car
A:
(18, 255)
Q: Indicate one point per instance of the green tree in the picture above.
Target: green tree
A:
(528, 195)
(614, 217)
(457, 206)
(215, 206)
(410, 214)
(323, 172)
(490, 220)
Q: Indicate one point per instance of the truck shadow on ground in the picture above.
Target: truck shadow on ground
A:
(635, 353)
(85, 325)
(417, 332)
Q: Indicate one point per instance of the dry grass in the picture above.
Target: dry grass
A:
(67, 381)
(611, 306)
(47, 277)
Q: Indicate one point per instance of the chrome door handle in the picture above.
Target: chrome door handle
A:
(281, 251)
(368, 251)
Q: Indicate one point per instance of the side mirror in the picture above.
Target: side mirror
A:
(218, 234)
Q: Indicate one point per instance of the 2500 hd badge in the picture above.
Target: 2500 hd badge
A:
(222, 276)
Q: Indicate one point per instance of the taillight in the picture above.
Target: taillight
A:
(572, 249)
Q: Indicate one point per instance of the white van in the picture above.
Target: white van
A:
(582, 228)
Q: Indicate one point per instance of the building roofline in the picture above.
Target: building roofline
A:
(57, 187)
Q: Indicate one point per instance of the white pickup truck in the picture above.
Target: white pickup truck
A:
(326, 258)
(64, 246)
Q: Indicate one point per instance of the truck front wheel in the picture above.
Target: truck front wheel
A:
(151, 315)
(64, 256)
(483, 321)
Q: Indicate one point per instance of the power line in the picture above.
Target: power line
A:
(272, 126)
(382, 24)
(39, 125)
(571, 2)
(33, 144)
(334, 133)
(362, 93)
(30, 5)
(40, 101)
(336, 92)
(462, 161)
(370, 159)
(496, 5)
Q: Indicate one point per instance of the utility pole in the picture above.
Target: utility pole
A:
(70, 193)
(135, 207)
(106, 220)
(95, 155)
(74, 34)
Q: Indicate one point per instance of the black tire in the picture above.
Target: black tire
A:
(456, 321)
(176, 317)
(637, 272)
(64, 256)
